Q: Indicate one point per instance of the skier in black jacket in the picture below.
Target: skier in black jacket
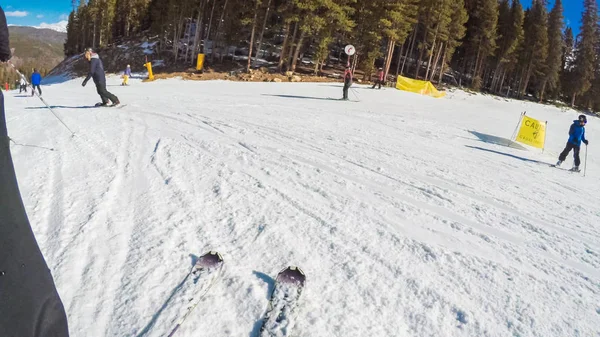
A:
(97, 74)
(29, 303)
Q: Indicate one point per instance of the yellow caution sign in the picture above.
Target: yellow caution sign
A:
(532, 132)
(418, 87)
(200, 62)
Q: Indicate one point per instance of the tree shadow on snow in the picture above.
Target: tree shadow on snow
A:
(507, 154)
(497, 140)
(175, 290)
(62, 107)
(271, 286)
(304, 97)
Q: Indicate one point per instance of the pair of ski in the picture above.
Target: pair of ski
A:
(278, 320)
(570, 170)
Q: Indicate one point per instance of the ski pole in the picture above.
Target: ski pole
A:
(355, 94)
(41, 99)
(585, 164)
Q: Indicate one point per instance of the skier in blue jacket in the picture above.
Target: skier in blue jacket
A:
(36, 80)
(576, 137)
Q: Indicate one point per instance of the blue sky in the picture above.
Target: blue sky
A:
(35, 12)
(572, 12)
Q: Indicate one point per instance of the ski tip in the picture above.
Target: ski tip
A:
(292, 274)
(210, 259)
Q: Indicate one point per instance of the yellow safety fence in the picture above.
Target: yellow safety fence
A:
(418, 87)
(532, 132)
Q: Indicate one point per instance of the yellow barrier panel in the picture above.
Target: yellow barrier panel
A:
(532, 132)
(148, 66)
(200, 62)
(418, 87)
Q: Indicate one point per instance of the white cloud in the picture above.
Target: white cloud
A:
(18, 14)
(60, 26)
(64, 17)
(39, 16)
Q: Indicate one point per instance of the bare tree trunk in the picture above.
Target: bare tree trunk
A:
(207, 36)
(443, 66)
(543, 90)
(410, 49)
(502, 80)
(388, 53)
(187, 49)
(284, 47)
(252, 36)
(199, 20)
(389, 65)
(437, 60)
(431, 52)
(94, 35)
(400, 58)
(419, 61)
(262, 33)
(527, 78)
(292, 44)
(573, 100)
(298, 47)
(477, 61)
(175, 42)
(218, 35)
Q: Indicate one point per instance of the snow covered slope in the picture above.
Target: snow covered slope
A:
(405, 218)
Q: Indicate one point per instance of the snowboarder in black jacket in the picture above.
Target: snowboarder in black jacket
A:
(29, 303)
(97, 74)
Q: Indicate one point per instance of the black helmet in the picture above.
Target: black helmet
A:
(583, 118)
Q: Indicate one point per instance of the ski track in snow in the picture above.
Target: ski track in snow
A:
(405, 223)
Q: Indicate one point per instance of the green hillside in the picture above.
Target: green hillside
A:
(33, 48)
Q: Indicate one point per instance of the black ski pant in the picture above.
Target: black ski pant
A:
(33, 89)
(346, 87)
(570, 146)
(377, 83)
(104, 94)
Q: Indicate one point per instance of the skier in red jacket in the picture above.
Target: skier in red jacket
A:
(347, 81)
(379, 81)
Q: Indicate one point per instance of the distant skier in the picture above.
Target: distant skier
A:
(347, 81)
(576, 137)
(379, 81)
(126, 75)
(36, 80)
(22, 85)
(97, 74)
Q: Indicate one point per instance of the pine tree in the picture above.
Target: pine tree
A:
(555, 49)
(510, 36)
(71, 42)
(482, 40)
(535, 45)
(456, 32)
(585, 55)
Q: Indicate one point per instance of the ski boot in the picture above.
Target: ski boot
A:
(575, 169)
